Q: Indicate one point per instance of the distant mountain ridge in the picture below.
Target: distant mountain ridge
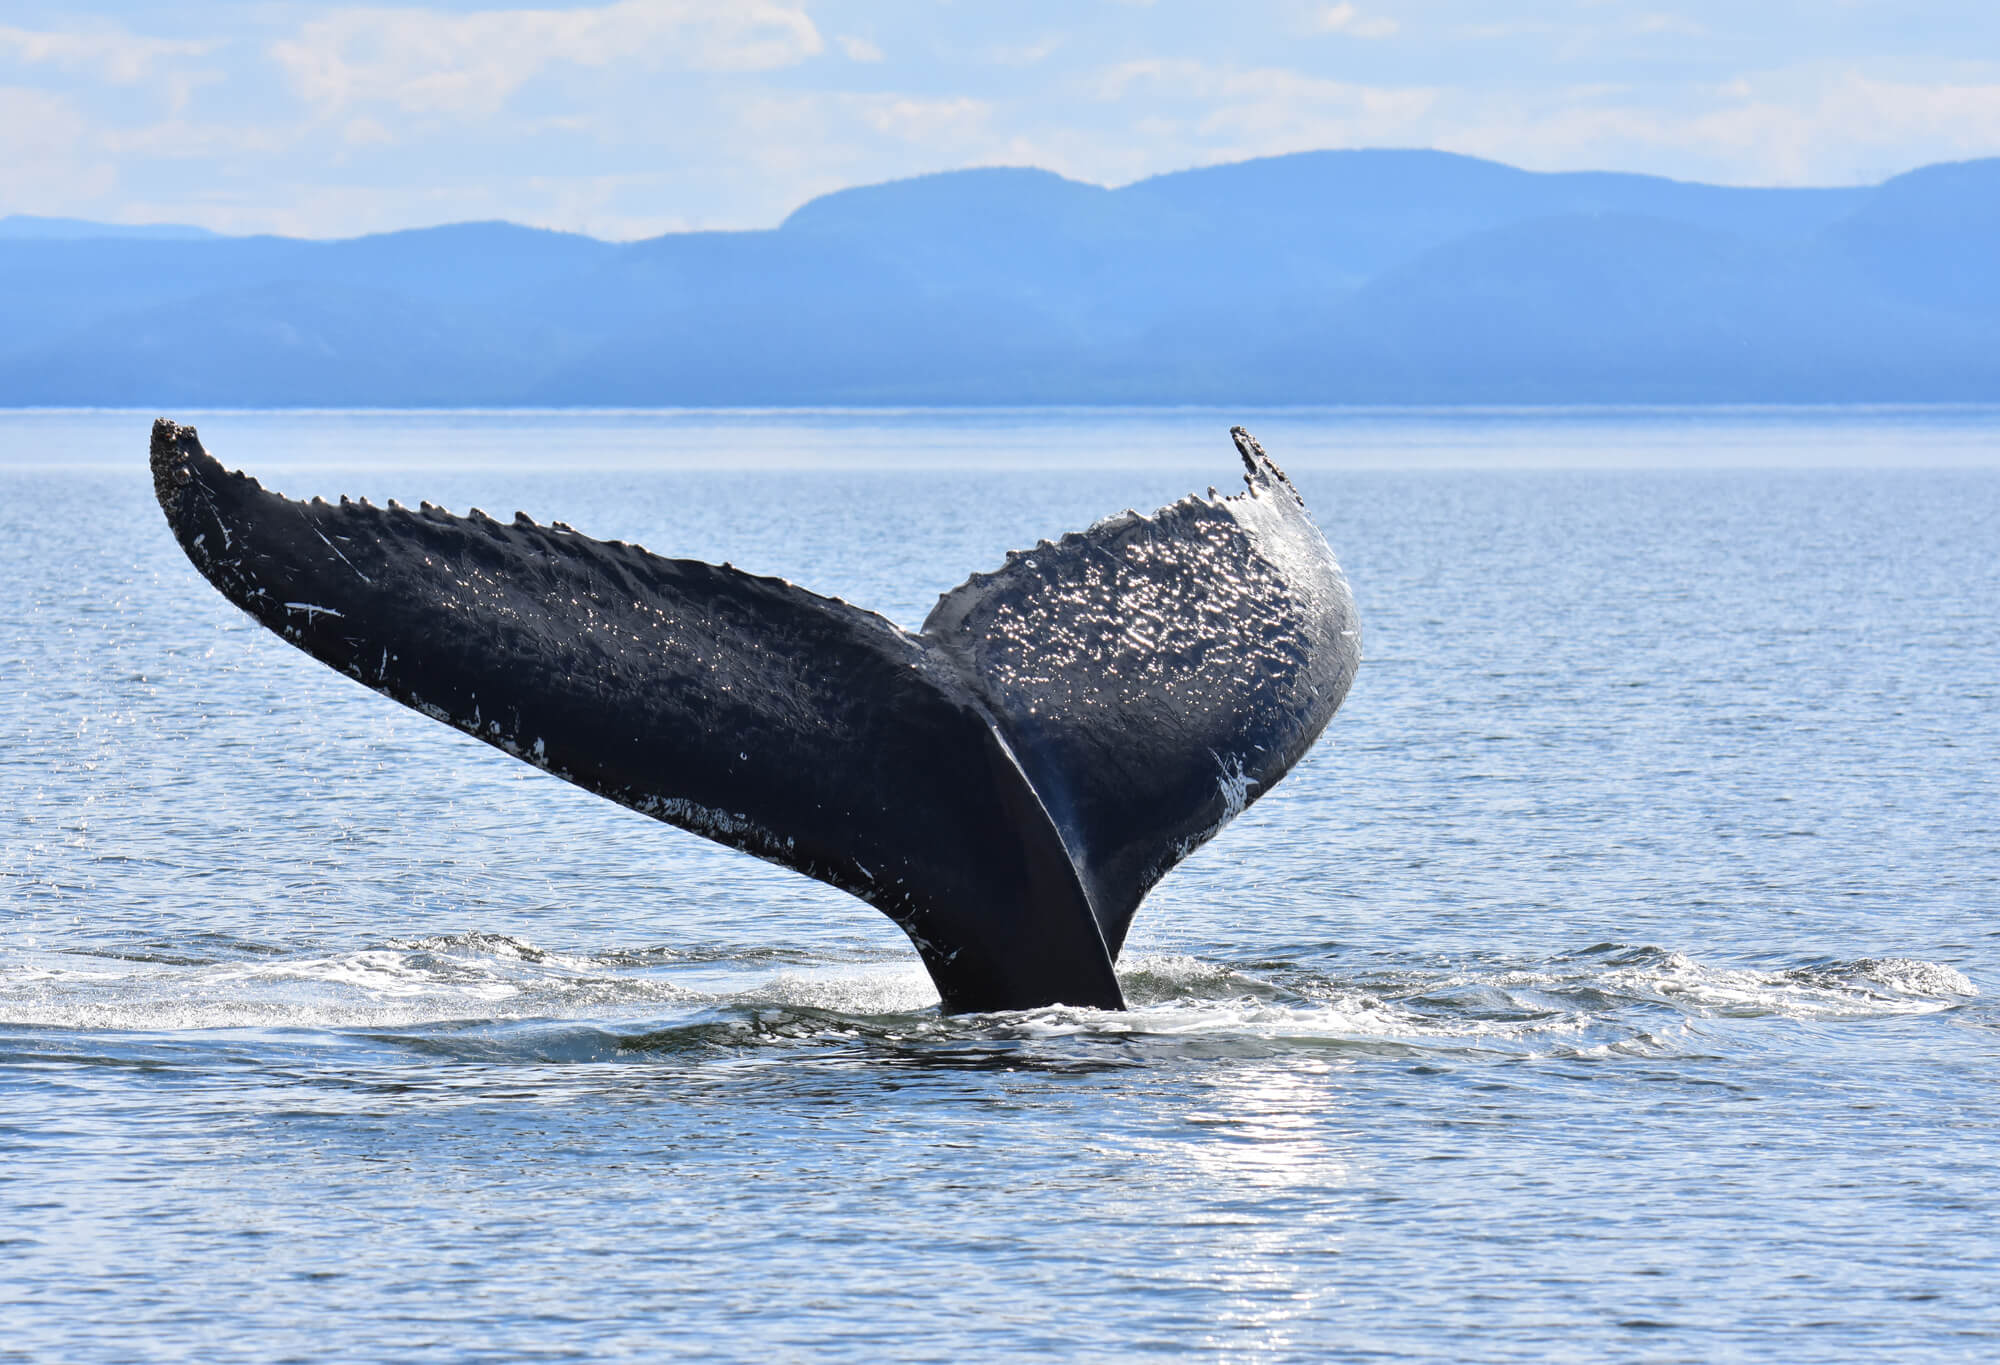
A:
(28, 227)
(1322, 277)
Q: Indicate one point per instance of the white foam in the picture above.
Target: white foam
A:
(1867, 988)
(472, 977)
(1604, 1001)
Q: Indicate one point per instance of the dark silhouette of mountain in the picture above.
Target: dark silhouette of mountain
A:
(1348, 277)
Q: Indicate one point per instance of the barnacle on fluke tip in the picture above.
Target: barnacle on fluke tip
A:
(1006, 783)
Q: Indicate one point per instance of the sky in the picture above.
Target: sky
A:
(636, 117)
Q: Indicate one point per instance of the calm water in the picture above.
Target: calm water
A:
(1616, 979)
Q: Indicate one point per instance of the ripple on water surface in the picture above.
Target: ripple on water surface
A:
(1615, 981)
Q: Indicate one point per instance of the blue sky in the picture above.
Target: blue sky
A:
(630, 118)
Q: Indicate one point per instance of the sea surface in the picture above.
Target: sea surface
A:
(1616, 980)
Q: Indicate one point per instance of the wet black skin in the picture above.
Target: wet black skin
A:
(1006, 784)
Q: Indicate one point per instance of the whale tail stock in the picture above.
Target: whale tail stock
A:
(1006, 784)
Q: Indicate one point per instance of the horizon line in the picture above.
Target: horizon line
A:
(1476, 409)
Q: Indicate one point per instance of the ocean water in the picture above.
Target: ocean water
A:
(1615, 980)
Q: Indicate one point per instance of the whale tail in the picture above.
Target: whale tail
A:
(1006, 784)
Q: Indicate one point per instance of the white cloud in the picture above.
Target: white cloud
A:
(628, 116)
(429, 61)
(366, 132)
(1025, 54)
(923, 120)
(825, 140)
(1186, 112)
(1671, 23)
(112, 55)
(1266, 86)
(1781, 129)
(1345, 18)
(44, 145)
(37, 126)
(178, 139)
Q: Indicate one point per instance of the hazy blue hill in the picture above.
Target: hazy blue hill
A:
(1374, 276)
(1934, 236)
(1652, 310)
(1371, 210)
(1314, 223)
(988, 202)
(28, 227)
(281, 344)
(51, 287)
(1081, 257)
(464, 261)
(775, 317)
(417, 317)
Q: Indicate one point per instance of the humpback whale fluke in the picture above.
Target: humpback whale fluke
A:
(1006, 784)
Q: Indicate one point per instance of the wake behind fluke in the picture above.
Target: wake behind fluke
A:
(1006, 784)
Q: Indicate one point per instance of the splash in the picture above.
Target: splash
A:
(1605, 1000)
